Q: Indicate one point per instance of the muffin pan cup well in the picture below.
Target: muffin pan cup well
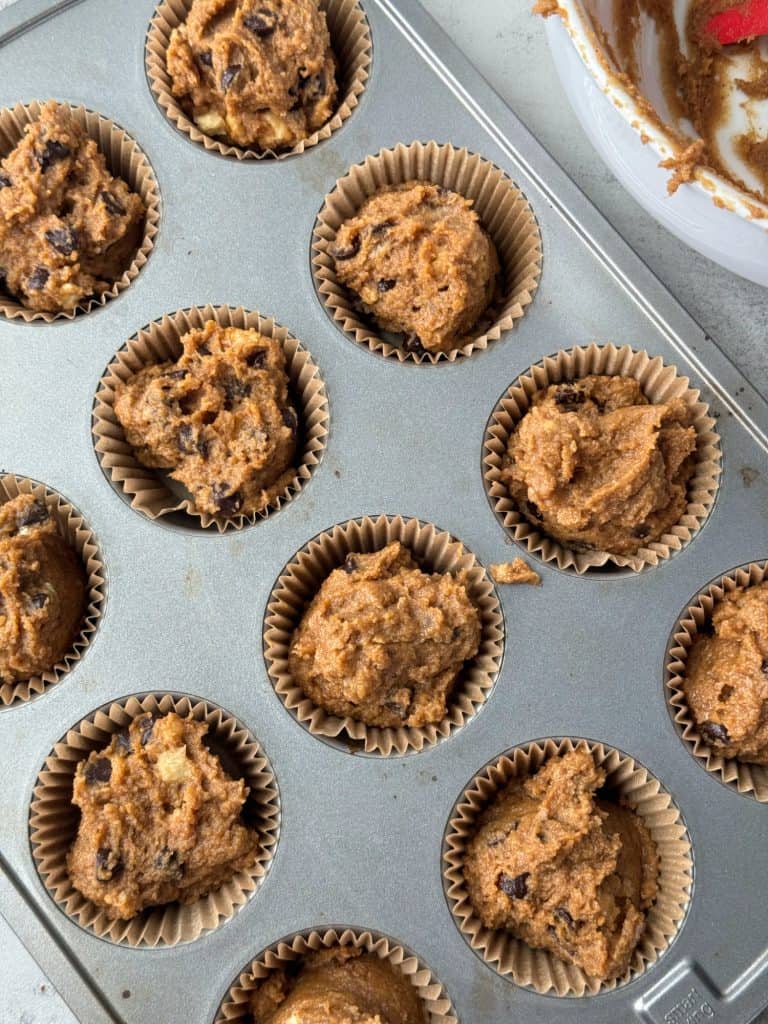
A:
(660, 383)
(125, 160)
(74, 529)
(746, 778)
(627, 781)
(53, 821)
(289, 951)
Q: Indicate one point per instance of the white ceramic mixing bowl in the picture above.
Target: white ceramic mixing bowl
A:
(711, 215)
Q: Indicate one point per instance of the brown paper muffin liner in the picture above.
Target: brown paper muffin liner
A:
(351, 42)
(537, 968)
(74, 529)
(504, 213)
(660, 383)
(54, 820)
(152, 492)
(749, 779)
(125, 160)
(436, 551)
(437, 1005)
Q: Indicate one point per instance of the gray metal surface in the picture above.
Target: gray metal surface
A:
(361, 837)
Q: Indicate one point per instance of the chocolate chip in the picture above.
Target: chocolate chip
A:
(412, 344)
(397, 709)
(725, 693)
(234, 389)
(516, 888)
(170, 862)
(379, 229)
(641, 530)
(764, 667)
(714, 732)
(146, 727)
(228, 504)
(346, 252)
(534, 511)
(38, 600)
(350, 564)
(99, 770)
(289, 418)
(204, 349)
(63, 240)
(205, 59)
(5, 181)
(262, 22)
(564, 916)
(123, 744)
(569, 398)
(495, 840)
(185, 442)
(38, 279)
(313, 86)
(108, 864)
(53, 152)
(112, 205)
(32, 515)
(203, 448)
(175, 375)
(256, 358)
(229, 75)
(386, 284)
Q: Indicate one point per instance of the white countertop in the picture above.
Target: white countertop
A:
(506, 43)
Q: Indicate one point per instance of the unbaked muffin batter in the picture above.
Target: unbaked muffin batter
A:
(339, 985)
(562, 870)
(420, 262)
(220, 419)
(68, 228)
(160, 820)
(42, 590)
(384, 642)
(257, 73)
(595, 465)
(726, 682)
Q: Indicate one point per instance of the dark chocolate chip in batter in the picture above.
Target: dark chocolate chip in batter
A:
(262, 22)
(63, 240)
(123, 744)
(569, 399)
(203, 448)
(289, 418)
(516, 888)
(229, 75)
(350, 564)
(32, 515)
(52, 153)
(256, 358)
(170, 861)
(764, 667)
(146, 727)
(641, 530)
(495, 840)
(386, 284)
(234, 390)
(38, 279)
(564, 916)
(112, 205)
(714, 732)
(175, 374)
(5, 181)
(99, 770)
(205, 58)
(38, 600)
(346, 252)
(380, 229)
(108, 864)
(229, 504)
(185, 439)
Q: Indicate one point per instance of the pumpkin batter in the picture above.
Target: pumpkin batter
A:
(421, 263)
(220, 419)
(42, 590)
(254, 72)
(563, 871)
(384, 642)
(726, 683)
(68, 228)
(160, 820)
(340, 985)
(595, 465)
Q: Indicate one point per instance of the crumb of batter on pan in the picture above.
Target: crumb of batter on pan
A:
(516, 571)
(546, 8)
(683, 165)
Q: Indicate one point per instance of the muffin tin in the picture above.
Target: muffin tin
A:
(361, 838)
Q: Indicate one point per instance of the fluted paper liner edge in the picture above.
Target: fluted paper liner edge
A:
(126, 160)
(435, 1000)
(53, 822)
(351, 43)
(436, 551)
(745, 778)
(504, 212)
(78, 534)
(148, 491)
(537, 968)
(660, 383)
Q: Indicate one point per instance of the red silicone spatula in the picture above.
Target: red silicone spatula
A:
(734, 25)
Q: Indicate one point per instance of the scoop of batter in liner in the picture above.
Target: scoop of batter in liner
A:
(68, 228)
(42, 590)
(595, 465)
(726, 682)
(384, 642)
(563, 870)
(160, 819)
(339, 985)
(259, 73)
(220, 419)
(420, 262)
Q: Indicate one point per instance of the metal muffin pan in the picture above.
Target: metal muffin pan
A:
(361, 836)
